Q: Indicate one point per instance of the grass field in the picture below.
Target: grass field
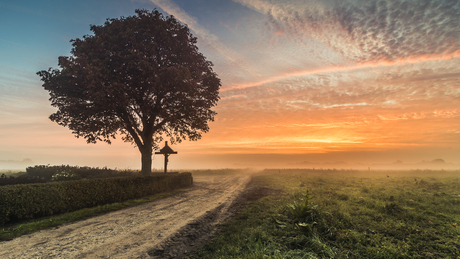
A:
(353, 214)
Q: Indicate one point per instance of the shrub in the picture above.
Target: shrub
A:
(27, 201)
(47, 171)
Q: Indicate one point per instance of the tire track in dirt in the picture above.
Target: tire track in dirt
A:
(158, 229)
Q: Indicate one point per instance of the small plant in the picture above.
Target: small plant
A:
(343, 197)
(393, 209)
(303, 210)
(365, 189)
(307, 217)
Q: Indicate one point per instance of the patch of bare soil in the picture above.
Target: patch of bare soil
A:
(172, 227)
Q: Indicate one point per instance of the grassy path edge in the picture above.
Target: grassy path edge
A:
(8, 233)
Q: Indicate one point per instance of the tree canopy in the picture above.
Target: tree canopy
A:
(140, 76)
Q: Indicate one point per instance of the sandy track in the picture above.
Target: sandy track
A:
(146, 231)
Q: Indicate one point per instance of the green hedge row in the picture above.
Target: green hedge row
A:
(27, 201)
(47, 171)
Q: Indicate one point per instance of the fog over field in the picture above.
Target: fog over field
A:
(264, 162)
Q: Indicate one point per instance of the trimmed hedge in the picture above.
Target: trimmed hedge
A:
(23, 179)
(45, 173)
(27, 201)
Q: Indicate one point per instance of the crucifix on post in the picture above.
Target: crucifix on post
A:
(166, 151)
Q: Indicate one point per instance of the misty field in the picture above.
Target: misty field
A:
(345, 214)
(12, 172)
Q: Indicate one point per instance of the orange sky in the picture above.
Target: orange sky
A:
(304, 84)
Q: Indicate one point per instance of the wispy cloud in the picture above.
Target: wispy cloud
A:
(336, 68)
(443, 114)
(384, 87)
(14, 43)
(212, 40)
(369, 31)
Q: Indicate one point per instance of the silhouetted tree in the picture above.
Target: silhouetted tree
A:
(140, 76)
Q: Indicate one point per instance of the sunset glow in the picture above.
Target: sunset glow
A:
(360, 82)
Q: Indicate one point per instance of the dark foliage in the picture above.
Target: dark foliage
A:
(44, 173)
(27, 201)
(23, 179)
(140, 76)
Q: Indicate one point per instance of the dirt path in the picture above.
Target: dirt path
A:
(166, 228)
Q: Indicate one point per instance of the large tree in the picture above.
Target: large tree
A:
(140, 76)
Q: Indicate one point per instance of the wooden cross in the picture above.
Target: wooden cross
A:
(166, 151)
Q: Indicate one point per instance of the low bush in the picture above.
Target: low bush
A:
(29, 201)
(47, 173)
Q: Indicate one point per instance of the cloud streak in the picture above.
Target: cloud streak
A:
(302, 73)
(399, 86)
(204, 34)
(365, 31)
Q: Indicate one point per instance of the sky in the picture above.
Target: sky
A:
(305, 83)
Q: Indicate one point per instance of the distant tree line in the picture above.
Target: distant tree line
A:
(47, 173)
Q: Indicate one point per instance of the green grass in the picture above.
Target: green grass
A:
(367, 214)
(8, 233)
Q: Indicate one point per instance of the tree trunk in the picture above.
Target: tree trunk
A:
(146, 153)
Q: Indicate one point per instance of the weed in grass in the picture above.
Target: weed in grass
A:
(365, 189)
(309, 219)
(393, 209)
(301, 208)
